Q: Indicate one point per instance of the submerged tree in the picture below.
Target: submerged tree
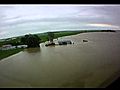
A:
(31, 40)
(51, 36)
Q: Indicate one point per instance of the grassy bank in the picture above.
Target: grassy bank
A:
(7, 53)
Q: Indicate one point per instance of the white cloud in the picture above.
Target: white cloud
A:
(18, 20)
(104, 25)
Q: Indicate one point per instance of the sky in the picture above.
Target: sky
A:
(17, 20)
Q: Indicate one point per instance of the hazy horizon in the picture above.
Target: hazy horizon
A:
(17, 20)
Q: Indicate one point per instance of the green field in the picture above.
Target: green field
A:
(44, 36)
(7, 53)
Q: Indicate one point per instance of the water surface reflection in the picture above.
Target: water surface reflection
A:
(32, 50)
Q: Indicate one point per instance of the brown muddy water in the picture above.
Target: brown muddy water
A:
(95, 63)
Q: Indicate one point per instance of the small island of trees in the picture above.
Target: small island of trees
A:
(31, 40)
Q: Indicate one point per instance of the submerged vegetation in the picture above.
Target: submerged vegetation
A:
(31, 40)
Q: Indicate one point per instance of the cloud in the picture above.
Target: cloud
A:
(104, 25)
(18, 20)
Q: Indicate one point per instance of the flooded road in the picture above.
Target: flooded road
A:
(83, 64)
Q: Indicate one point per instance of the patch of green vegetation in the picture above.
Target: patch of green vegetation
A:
(44, 36)
(31, 40)
(67, 33)
(7, 53)
(13, 42)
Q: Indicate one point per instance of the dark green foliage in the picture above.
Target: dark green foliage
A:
(50, 36)
(31, 40)
(0, 44)
(13, 42)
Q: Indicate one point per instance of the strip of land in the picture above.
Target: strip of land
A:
(7, 53)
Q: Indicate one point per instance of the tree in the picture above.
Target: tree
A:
(31, 40)
(50, 36)
(0, 44)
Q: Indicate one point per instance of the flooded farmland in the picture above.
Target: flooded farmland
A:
(95, 63)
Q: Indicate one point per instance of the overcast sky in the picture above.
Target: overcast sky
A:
(18, 20)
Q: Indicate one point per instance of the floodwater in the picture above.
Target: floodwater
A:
(95, 63)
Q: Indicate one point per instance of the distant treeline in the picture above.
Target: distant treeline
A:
(58, 34)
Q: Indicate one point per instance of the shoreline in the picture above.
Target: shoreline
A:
(8, 53)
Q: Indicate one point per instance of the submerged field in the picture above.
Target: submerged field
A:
(83, 64)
